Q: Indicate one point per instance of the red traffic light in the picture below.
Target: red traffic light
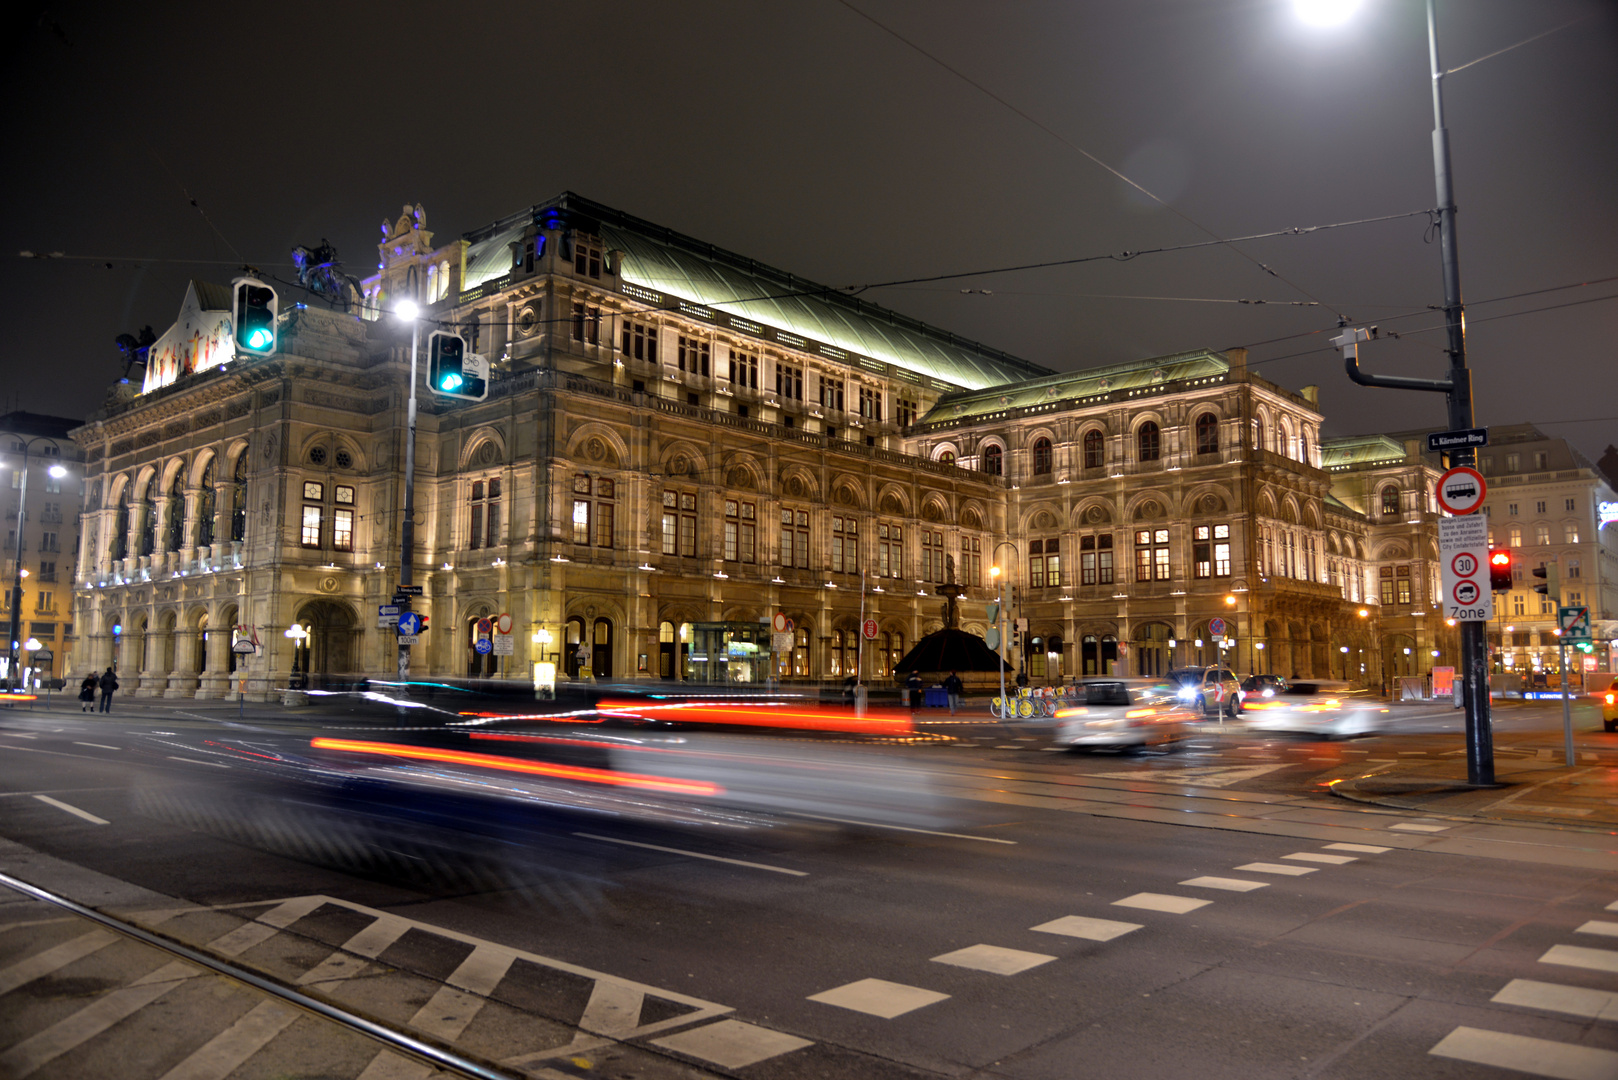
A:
(1500, 569)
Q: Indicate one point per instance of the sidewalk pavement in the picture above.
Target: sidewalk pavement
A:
(1544, 789)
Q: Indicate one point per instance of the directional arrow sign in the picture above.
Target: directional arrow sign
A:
(409, 624)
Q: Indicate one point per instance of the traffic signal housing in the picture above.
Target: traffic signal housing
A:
(1550, 587)
(253, 310)
(1500, 569)
(454, 372)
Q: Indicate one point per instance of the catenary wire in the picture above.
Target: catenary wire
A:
(1073, 146)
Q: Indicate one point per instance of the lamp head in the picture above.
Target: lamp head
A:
(406, 310)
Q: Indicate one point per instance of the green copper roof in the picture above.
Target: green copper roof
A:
(1359, 450)
(689, 269)
(1141, 375)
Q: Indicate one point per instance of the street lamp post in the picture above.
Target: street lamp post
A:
(1000, 616)
(406, 310)
(1457, 386)
(17, 573)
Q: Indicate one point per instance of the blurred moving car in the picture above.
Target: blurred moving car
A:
(1609, 707)
(1211, 690)
(1330, 710)
(1124, 714)
(1263, 686)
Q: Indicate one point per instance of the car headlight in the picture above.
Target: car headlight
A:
(1269, 691)
(1187, 693)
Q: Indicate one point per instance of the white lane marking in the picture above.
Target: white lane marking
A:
(1542, 1057)
(1277, 868)
(264, 927)
(388, 1065)
(1409, 826)
(54, 959)
(74, 810)
(98, 746)
(1229, 884)
(993, 959)
(732, 1044)
(878, 997)
(1080, 926)
(225, 1052)
(1312, 856)
(1581, 957)
(901, 828)
(451, 1009)
(1216, 776)
(17, 735)
(694, 855)
(1368, 849)
(1612, 906)
(1554, 997)
(76, 1029)
(194, 761)
(1151, 901)
(1599, 926)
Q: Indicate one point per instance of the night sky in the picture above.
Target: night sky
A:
(858, 143)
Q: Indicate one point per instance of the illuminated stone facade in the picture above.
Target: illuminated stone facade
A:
(679, 443)
(50, 537)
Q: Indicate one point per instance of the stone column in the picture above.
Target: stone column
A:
(182, 682)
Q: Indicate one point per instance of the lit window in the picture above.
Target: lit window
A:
(1042, 456)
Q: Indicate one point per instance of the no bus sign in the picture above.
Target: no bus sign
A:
(1461, 490)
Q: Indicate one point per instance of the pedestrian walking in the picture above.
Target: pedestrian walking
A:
(87, 693)
(913, 684)
(953, 687)
(109, 683)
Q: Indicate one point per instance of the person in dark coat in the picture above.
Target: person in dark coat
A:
(953, 687)
(109, 683)
(87, 693)
(913, 684)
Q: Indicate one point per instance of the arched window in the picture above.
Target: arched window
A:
(1390, 500)
(947, 457)
(148, 517)
(1042, 456)
(993, 460)
(120, 531)
(1207, 434)
(1093, 451)
(238, 498)
(175, 512)
(1258, 435)
(1150, 440)
(205, 507)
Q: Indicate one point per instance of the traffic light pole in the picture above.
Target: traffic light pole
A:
(1457, 385)
(407, 527)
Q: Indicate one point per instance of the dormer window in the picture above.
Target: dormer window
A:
(587, 257)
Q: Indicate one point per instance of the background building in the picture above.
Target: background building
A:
(1546, 503)
(50, 534)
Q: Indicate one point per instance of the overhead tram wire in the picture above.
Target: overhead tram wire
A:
(1079, 150)
(1420, 330)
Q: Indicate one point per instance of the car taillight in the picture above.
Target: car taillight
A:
(1610, 699)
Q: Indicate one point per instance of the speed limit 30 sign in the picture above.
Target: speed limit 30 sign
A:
(1463, 556)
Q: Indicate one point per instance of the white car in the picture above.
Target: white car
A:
(1327, 710)
(1124, 714)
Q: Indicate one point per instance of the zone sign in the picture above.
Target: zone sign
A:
(1461, 490)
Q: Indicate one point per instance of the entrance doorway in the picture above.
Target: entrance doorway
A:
(1151, 650)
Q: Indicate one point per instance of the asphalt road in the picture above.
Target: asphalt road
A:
(1210, 912)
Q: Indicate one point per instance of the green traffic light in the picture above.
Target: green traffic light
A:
(450, 381)
(259, 338)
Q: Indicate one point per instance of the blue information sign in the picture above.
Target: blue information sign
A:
(409, 624)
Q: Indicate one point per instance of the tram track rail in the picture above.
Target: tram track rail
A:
(422, 1050)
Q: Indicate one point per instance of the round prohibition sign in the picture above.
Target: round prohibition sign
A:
(1465, 564)
(1466, 592)
(1461, 490)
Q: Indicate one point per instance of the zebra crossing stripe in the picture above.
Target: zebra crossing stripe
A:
(54, 959)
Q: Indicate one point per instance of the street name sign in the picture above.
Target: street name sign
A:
(1461, 490)
(1439, 441)
(1463, 559)
(407, 590)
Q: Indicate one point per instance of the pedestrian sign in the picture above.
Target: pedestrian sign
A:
(1574, 622)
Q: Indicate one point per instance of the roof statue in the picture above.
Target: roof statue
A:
(321, 272)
